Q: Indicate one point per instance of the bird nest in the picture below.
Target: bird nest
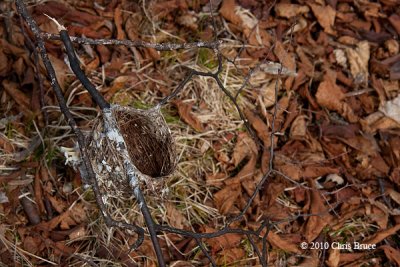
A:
(147, 143)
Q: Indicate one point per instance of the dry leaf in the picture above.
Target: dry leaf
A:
(287, 59)
(175, 217)
(230, 256)
(32, 244)
(335, 178)
(59, 205)
(276, 68)
(312, 171)
(379, 216)
(316, 223)
(331, 96)
(358, 59)
(325, 16)
(391, 109)
(227, 10)
(334, 258)
(394, 195)
(340, 57)
(351, 257)
(238, 15)
(18, 96)
(244, 148)
(78, 232)
(260, 127)
(188, 20)
(249, 21)
(394, 19)
(281, 243)
(185, 112)
(392, 254)
(226, 241)
(298, 129)
(61, 69)
(118, 23)
(226, 198)
(216, 179)
(379, 236)
(4, 65)
(288, 167)
(290, 10)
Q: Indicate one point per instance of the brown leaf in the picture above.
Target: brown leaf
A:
(59, 10)
(230, 256)
(118, 23)
(379, 236)
(18, 96)
(311, 260)
(392, 254)
(279, 242)
(226, 198)
(290, 10)
(288, 167)
(188, 20)
(237, 15)
(61, 69)
(245, 147)
(78, 213)
(325, 16)
(175, 217)
(334, 258)
(6, 145)
(58, 204)
(378, 215)
(320, 217)
(394, 19)
(358, 59)
(313, 171)
(227, 10)
(33, 244)
(215, 179)
(298, 129)
(331, 96)
(78, 232)
(184, 110)
(63, 249)
(260, 127)
(351, 257)
(394, 195)
(391, 109)
(288, 61)
(226, 241)
(4, 65)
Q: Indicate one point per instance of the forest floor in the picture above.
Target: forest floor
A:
(317, 83)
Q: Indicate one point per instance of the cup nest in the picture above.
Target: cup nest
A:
(148, 141)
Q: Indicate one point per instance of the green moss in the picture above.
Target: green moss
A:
(206, 58)
(169, 117)
(140, 105)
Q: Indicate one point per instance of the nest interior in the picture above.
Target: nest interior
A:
(148, 140)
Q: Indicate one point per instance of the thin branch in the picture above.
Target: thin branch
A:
(74, 63)
(136, 43)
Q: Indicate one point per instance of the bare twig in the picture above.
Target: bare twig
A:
(136, 43)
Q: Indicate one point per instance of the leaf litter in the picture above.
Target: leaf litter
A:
(336, 173)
